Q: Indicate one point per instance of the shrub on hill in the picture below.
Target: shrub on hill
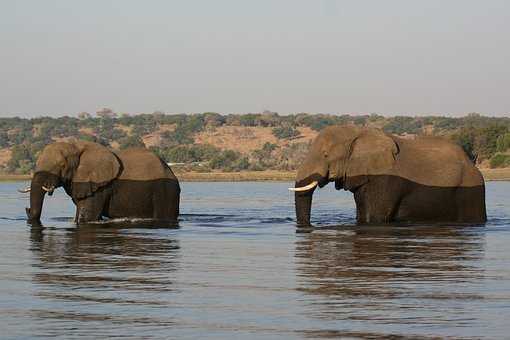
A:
(263, 158)
(285, 132)
(400, 125)
(503, 142)
(132, 141)
(189, 153)
(229, 160)
(500, 161)
(4, 139)
(22, 159)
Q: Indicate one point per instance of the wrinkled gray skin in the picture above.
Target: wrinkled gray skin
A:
(324, 163)
(426, 179)
(129, 183)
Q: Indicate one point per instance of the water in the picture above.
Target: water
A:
(236, 268)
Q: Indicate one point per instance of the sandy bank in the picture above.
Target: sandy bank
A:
(268, 175)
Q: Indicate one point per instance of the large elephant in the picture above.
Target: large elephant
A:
(423, 179)
(128, 183)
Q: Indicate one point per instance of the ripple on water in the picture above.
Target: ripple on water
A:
(236, 268)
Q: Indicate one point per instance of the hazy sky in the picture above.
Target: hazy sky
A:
(392, 57)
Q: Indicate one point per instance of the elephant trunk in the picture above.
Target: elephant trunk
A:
(36, 201)
(303, 204)
(42, 183)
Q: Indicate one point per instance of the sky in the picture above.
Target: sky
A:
(390, 57)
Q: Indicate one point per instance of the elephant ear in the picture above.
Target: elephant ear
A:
(97, 167)
(371, 153)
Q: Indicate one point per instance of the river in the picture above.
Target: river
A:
(236, 268)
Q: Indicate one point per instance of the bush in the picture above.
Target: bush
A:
(500, 160)
(263, 157)
(488, 139)
(178, 136)
(241, 164)
(224, 159)
(285, 132)
(131, 142)
(466, 139)
(186, 127)
(320, 121)
(23, 158)
(503, 142)
(400, 125)
(4, 139)
(87, 137)
(189, 153)
(229, 160)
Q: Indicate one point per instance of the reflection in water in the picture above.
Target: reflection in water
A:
(379, 273)
(237, 269)
(108, 268)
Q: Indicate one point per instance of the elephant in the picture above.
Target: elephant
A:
(424, 179)
(132, 183)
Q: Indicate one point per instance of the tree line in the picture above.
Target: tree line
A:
(485, 139)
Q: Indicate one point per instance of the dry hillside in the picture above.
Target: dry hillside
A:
(261, 141)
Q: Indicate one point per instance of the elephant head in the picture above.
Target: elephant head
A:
(346, 155)
(80, 167)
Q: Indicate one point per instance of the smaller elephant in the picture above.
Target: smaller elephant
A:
(103, 183)
(393, 179)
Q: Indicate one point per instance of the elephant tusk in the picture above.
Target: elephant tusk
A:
(48, 189)
(306, 187)
(24, 191)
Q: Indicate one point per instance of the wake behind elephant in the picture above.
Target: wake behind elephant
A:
(128, 183)
(426, 179)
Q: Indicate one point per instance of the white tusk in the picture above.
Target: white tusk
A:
(24, 191)
(306, 187)
(48, 190)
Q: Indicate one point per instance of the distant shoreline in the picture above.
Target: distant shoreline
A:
(502, 174)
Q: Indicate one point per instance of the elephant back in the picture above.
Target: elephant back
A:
(435, 161)
(140, 164)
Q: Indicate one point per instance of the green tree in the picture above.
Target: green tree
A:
(503, 142)
(487, 139)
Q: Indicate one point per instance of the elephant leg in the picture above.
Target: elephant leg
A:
(377, 201)
(165, 201)
(91, 208)
(471, 204)
(423, 203)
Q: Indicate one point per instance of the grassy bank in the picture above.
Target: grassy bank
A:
(502, 174)
(7, 177)
(242, 176)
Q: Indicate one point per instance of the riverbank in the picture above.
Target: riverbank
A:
(243, 176)
(267, 175)
(502, 174)
(14, 178)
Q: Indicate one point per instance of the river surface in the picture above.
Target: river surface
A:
(236, 268)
